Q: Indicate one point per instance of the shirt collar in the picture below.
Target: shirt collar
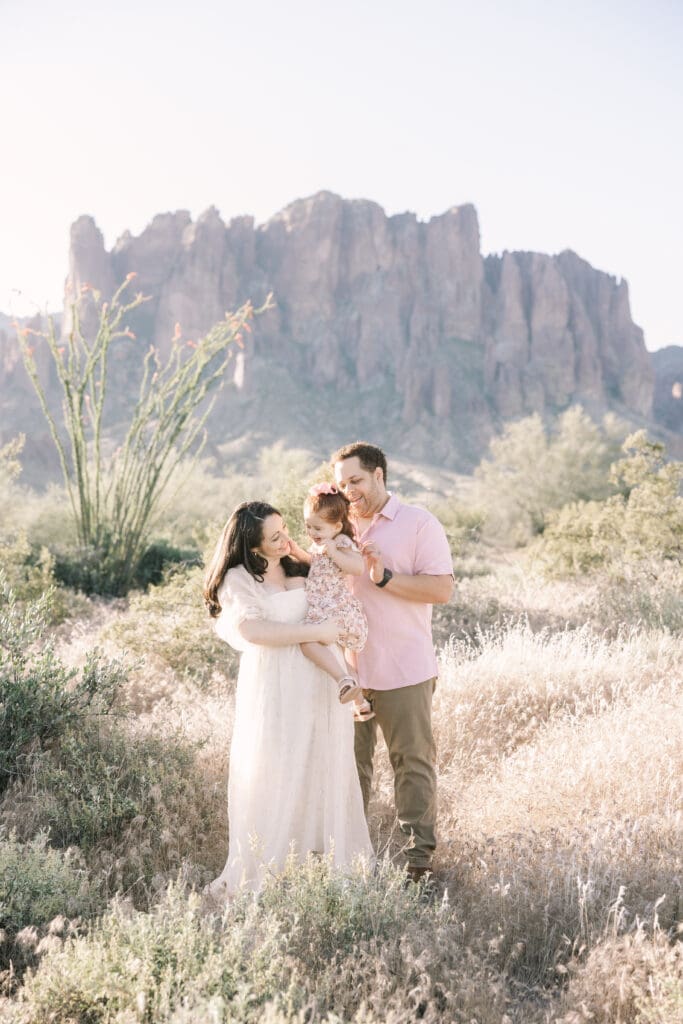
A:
(390, 509)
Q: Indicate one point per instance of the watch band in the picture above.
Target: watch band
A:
(385, 578)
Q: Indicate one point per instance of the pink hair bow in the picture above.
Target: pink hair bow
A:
(323, 488)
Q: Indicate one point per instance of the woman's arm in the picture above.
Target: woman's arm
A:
(285, 634)
(347, 558)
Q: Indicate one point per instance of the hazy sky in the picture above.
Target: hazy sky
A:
(561, 122)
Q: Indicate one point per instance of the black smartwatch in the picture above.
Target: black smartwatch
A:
(385, 578)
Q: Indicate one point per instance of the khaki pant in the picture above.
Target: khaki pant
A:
(405, 718)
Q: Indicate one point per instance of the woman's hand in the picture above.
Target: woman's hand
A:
(326, 632)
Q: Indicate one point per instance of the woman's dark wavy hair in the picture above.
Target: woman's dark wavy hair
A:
(242, 532)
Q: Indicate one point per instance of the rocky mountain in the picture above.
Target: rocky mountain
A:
(384, 327)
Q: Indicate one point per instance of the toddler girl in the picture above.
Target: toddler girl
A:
(333, 556)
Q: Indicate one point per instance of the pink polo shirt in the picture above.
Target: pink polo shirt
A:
(399, 650)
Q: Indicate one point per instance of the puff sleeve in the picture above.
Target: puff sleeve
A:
(344, 543)
(240, 599)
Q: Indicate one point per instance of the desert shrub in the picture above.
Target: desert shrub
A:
(170, 628)
(38, 882)
(204, 496)
(28, 567)
(160, 556)
(643, 522)
(27, 572)
(514, 594)
(87, 569)
(39, 698)
(43, 517)
(463, 524)
(645, 593)
(304, 950)
(39, 887)
(532, 470)
(30, 572)
(134, 802)
(10, 466)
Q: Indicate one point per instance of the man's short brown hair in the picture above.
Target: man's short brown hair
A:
(369, 456)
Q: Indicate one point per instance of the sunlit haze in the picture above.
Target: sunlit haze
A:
(560, 122)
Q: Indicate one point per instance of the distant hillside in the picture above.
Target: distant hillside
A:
(385, 327)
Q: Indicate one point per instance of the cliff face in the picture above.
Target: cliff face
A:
(668, 398)
(384, 326)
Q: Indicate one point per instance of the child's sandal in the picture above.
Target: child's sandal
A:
(348, 689)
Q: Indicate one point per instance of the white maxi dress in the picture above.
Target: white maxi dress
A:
(293, 783)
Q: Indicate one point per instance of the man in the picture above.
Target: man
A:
(409, 568)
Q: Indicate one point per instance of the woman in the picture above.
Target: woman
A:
(293, 779)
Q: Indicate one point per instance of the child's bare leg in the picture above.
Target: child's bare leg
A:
(329, 658)
(362, 708)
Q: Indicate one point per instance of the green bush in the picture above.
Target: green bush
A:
(642, 523)
(30, 573)
(27, 572)
(39, 697)
(315, 946)
(88, 569)
(37, 885)
(28, 567)
(532, 470)
(170, 628)
(134, 803)
(463, 525)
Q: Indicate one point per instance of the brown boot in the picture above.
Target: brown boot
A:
(418, 873)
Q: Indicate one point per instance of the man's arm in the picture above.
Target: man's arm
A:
(421, 588)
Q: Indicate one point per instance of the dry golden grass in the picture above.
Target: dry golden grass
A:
(561, 795)
(560, 788)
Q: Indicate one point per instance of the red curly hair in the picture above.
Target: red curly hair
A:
(333, 508)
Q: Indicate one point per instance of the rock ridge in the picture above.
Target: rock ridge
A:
(386, 326)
